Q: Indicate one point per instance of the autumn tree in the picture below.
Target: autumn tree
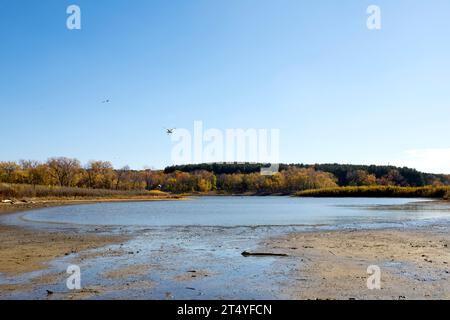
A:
(393, 178)
(361, 178)
(35, 173)
(99, 175)
(64, 170)
(121, 176)
(8, 170)
(153, 179)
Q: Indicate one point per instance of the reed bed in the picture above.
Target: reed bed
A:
(18, 191)
(379, 191)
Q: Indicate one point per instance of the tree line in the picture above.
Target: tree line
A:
(346, 175)
(68, 172)
(227, 178)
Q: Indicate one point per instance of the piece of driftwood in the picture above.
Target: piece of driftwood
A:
(247, 254)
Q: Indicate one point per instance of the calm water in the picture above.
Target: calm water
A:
(245, 211)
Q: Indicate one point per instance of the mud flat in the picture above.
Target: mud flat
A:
(25, 250)
(414, 264)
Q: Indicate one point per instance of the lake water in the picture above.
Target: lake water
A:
(246, 211)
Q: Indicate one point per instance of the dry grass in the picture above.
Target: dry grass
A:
(18, 191)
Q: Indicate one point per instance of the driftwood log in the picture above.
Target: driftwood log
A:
(248, 254)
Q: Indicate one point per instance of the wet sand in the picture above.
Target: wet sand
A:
(333, 265)
(25, 250)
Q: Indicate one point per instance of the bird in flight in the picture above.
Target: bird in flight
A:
(105, 101)
(170, 131)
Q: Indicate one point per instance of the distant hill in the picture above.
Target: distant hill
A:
(343, 172)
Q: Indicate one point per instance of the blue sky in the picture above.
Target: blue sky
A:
(337, 91)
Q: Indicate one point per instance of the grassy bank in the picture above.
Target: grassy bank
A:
(379, 191)
(24, 191)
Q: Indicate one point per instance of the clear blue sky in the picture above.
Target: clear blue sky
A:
(337, 91)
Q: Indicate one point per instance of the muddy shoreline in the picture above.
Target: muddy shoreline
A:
(414, 263)
(25, 250)
(30, 204)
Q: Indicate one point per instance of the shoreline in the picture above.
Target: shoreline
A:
(322, 264)
(25, 250)
(37, 203)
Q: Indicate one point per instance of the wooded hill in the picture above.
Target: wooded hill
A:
(346, 174)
